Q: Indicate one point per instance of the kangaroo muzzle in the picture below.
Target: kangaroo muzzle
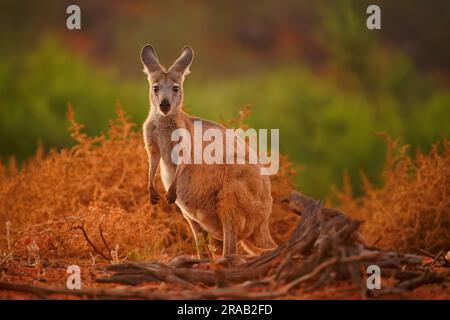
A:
(164, 106)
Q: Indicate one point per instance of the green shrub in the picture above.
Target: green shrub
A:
(322, 126)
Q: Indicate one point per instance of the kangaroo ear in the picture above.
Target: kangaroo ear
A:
(150, 60)
(181, 65)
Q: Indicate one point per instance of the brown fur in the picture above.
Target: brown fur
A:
(232, 202)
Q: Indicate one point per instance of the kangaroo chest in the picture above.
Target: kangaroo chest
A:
(162, 134)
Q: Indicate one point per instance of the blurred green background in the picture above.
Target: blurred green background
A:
(312, 69)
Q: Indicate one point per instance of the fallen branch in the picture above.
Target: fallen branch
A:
(144, 293)
(325, 247)
(108, 257)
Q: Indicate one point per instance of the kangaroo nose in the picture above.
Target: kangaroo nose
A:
(164, 105)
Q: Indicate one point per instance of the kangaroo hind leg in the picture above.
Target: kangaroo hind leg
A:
(259, 241)
(200, 237)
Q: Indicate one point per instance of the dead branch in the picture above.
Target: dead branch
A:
(425, 278)
(103, 239)
(130, 293)
(88, 240)
(325, 246)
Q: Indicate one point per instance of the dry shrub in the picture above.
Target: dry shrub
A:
(101, 179)
(411, 211)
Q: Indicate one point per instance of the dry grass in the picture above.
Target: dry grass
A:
(100, 179)
(103, 179)
(411, 211)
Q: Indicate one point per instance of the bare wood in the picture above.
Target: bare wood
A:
(127, 293)
(324, 247)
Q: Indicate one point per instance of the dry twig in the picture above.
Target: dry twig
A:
(325, 247)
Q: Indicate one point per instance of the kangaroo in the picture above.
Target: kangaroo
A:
(231, 202)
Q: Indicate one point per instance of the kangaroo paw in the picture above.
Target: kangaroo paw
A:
(171, 195)
(154, 197)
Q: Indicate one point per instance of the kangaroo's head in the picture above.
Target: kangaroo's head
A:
(166, 87)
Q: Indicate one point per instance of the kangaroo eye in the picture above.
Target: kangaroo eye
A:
(175, 88)
(155, 88)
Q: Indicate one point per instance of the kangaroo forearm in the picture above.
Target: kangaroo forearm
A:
(154, 157)
(178, 171)
(152, 174)
(153, 193)
(171, 194)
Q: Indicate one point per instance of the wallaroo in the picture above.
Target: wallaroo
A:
(229, 149)
(230, 200)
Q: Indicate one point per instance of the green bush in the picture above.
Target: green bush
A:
(322, 126)
(37, 88)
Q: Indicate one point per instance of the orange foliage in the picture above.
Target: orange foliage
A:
(101, 179)
(411, 211)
